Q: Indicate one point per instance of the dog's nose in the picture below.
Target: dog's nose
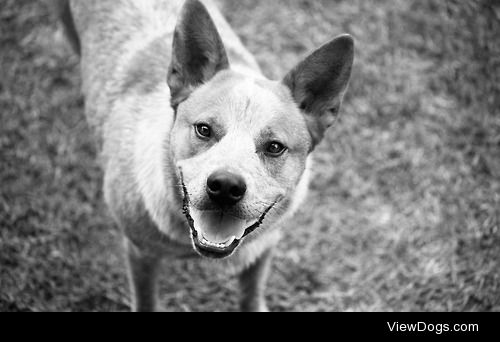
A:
(226, 188)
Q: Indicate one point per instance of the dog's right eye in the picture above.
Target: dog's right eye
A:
(203, 131)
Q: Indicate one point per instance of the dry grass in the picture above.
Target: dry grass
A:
(404, 210)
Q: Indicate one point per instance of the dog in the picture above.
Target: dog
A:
(203, 156)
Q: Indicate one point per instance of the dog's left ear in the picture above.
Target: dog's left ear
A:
(198, 52)
(319, 82)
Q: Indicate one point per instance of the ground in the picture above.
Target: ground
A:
(404, 208)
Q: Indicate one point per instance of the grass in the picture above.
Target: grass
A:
(404, 208)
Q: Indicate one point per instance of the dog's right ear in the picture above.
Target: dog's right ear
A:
(198, 52)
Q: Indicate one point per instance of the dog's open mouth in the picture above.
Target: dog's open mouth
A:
(215, 234)
(215, 245)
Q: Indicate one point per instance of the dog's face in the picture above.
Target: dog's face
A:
(240, 144)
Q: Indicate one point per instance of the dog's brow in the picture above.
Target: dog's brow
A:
(267, 135)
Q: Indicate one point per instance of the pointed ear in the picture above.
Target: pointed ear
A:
(198, 52)
(319, 82)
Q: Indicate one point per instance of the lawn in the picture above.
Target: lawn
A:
(404, 209)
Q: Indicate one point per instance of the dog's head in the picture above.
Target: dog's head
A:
(240, 144)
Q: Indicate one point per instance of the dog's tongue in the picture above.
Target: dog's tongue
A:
(217, 227)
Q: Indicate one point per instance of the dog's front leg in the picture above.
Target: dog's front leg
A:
(143, 273)
(253, 283)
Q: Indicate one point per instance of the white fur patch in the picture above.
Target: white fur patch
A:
(150, 153)
(302, 188)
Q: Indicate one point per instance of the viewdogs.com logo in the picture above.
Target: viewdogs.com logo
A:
(437, 328)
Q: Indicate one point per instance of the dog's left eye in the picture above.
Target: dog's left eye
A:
(275, 149)
(203, 131)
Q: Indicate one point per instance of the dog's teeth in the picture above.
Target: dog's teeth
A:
(218, 245)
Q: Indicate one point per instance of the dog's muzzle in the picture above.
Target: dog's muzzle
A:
(220, 249)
